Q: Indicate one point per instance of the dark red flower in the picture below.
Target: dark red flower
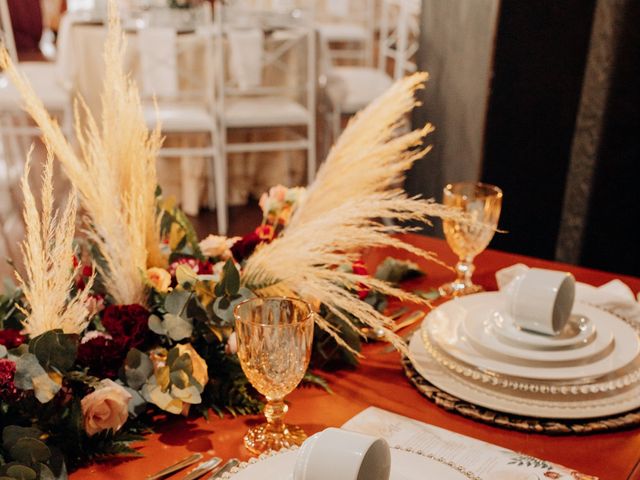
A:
(359, 268)
(8, 390)
(102, 355)
(11, 338)
(244, 247)
(127, 324)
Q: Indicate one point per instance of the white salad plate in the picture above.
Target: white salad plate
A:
(443, 328)
(580, 331)
(515, 402)
(404, 466)
(479, 328)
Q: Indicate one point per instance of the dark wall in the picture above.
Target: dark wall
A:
(539, 64)
(612, 237)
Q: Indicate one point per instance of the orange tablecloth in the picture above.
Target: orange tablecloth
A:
(379, 381)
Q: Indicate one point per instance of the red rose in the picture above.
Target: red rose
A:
(8, 390)
(102, 355)
(127, 324)
(11, 338)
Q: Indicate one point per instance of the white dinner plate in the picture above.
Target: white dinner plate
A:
(442, 326)
(581, 331)
(515, 402)
(404, 466)
(479, 328)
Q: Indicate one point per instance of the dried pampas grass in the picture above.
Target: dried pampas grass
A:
(48, 260)
(115, 172)
(354, 189)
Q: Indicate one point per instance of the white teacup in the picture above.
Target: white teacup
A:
(342, 455)
(541, 300)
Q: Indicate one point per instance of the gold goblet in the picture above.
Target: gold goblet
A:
(482, 203)
(274, 347)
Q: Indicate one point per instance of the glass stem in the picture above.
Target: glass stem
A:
(274, 412)
(465, 269)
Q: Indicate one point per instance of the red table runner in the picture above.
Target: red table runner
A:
(379, 381)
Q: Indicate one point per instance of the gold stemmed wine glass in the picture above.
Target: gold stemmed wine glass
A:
(482, 203)
(274, 347)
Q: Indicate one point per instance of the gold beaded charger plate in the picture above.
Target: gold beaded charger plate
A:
(468, 399)
(406, 464)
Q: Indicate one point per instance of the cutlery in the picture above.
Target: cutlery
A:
(226, 468)
(203, 468)
(184, 463)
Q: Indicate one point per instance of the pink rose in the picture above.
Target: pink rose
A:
(106, 408)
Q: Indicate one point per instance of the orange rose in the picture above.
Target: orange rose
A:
(106, 408)
(159, 279)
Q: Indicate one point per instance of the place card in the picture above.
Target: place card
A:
(483, 459)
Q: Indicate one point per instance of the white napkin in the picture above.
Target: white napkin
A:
(157, 47)
(615, 295)
(245, 56)
(483, 459)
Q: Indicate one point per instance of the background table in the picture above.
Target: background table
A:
(379, 381)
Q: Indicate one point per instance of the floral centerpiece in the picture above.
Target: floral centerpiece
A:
(133, 314)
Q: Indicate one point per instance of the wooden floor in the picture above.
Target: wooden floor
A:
(242, 220)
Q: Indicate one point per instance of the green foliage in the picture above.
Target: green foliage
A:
(31, 458)
(10, 314)
(55, 350)
(395, 271)
(327, 354)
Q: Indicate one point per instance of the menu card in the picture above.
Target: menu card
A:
(483, 460)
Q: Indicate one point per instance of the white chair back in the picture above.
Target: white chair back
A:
(157, 48)
(6, 30)
(254, 47)
(399, 36)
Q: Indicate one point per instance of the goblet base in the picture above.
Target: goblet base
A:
(263, 438)
(458, 289)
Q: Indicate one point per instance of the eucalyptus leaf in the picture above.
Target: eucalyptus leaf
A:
(186, 275)
(22, 472)
(177, 328)
(137, 405)
(156, 325)
(179, 378)
(3, 351)
(230, 278)
(12, 433)
(55, 349)
(176, 302)
(138, 367)
(31, 376)
(30, 450)
(45, 472)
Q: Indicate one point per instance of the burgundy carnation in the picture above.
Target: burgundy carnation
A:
(11, 338)
(102, 355)
(127, 324)
(8, 390)
(244, 247)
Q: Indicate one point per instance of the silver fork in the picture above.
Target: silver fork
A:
(224, 468)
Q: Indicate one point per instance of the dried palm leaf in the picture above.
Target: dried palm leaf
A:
(115, 172)
(354, 188)
(48, 261)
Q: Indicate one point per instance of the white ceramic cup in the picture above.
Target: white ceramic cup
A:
(541, 300)
(342, 455)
